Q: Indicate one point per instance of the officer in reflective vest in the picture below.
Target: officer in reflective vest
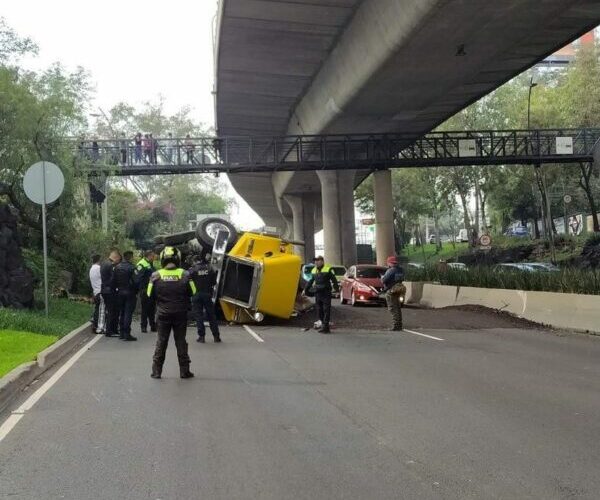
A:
(143, 272)
(172, 289)
(323, 279)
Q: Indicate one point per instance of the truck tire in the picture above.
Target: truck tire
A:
(206, 232)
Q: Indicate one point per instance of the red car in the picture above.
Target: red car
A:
(362, 285)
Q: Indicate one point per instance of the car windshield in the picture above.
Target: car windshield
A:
(370, 272)
(338, 270)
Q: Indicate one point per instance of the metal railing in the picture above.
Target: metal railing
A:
(333, 152)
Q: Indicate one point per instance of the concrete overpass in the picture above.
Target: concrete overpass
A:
(355, 66)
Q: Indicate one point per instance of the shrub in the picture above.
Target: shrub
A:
(565, 281)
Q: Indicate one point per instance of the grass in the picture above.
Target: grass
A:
(19, 347)
(65, 316)
(23, 333)
(428, 254)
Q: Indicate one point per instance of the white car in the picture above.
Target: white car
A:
(459, 266)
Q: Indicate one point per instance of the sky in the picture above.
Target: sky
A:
(135, 52)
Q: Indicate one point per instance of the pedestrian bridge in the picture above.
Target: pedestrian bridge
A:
(338, 152)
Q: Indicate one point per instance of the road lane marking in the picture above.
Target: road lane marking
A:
(253, 333)
(19, 413)
(423, 335)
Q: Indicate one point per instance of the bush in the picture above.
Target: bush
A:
(65, 316)
(565, 281)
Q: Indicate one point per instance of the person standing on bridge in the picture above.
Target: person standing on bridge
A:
(126, 295)
(138, 147)
(143, 273)
(189, 147)
(394, 291)
(204, 278)
(172, 288)
(323, 279)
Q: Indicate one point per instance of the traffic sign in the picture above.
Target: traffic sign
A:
(485, 240)
(567, 198)
(43, 182)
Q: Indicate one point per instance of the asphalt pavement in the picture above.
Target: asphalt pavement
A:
(430, 413)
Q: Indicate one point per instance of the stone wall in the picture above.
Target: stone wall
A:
(16, 280)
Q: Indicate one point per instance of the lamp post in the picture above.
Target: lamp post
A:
(532, 83)
(104, 212)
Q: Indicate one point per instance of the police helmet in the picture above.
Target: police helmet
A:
(170, 255)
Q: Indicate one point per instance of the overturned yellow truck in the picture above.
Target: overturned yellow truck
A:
(257, 274)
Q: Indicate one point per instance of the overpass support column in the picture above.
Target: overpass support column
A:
(384, 215)
(337, 191)
(303, 211)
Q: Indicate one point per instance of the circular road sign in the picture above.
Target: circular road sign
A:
(485, 240)
(567, 199)
(42, 178)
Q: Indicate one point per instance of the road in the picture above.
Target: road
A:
(481, 413)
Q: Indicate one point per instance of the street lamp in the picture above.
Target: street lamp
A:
(532, 83)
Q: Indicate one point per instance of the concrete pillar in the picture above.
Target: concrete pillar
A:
(384, 215)
(337, 191)
(303, 210)
(347, 179)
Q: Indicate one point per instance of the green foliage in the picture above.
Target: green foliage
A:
(65, 316)
(18, 347)
(593, 240)
(565, 281)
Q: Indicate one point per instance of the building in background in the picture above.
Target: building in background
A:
(566, 55)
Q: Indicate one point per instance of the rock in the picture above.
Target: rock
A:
(16, 280)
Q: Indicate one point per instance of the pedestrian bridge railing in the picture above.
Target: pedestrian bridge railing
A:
(237, 154)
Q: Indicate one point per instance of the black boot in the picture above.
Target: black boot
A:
(156, 371)
(217, 338)
(200, 339)
(186, 373)
(325, 329)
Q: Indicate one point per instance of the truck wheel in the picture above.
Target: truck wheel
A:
(207, 229)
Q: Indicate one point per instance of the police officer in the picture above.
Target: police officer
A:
(126, 295)
(143, 272)
(323, 278)
(202, 304)
(172, 289)
(109, 295)
(394, 290)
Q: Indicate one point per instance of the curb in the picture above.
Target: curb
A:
(16, 380)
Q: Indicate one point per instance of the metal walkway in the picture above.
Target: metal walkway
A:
(336, 152)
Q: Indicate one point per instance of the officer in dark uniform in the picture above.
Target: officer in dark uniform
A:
(202, 304)
(108, 292)
(323, 279)
(394, 291)
(172, 289)
(143, 272)
(126, 295)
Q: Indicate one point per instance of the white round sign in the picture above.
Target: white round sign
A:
(485, 240)
(43, 182)
(567, 199)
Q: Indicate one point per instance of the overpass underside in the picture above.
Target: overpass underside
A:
(375, 66)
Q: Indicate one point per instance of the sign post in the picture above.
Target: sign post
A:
(44, 183)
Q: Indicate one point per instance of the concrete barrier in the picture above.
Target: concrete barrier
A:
(557, 310)
(439, 295)
(16, 380)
